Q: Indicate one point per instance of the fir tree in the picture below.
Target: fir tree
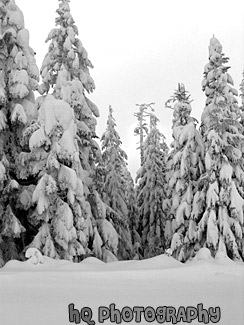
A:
(184, 169)
(19, 77)
(63, 140)
(151, 192)
(114, 189)
(66, 69)
(62, 213)
(217, 215)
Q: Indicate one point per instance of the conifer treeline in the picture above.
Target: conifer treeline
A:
(66, 195)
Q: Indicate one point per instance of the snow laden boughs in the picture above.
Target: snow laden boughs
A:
(62, 141)
(66, 49)
(217, 218)
(242, 100)
(62, 213)
(19, 77)
(151, 192)
(133, 213)
(65, 68)
(105, 239)
(184, 167)
(114, 188)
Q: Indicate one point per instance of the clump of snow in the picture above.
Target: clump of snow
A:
(108, 256)
(203, 254)
(55, 112)
(19, 114)
(15, 16)
(221, 255)
(34, 255)
(2, 172)
(92, 260)
(159, 262)
(109, 234)
(169, 251)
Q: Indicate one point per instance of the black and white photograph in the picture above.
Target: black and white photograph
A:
(121, 162)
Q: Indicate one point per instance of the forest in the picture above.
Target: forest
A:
(71, 195)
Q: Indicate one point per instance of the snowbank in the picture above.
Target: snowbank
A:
(40, 294)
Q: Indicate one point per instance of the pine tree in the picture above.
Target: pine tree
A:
(62, 213)
(66, 69)
(217, 215)
(62, 141)
(151, 191)
(114, 189)
(185, 166)
(19, 77)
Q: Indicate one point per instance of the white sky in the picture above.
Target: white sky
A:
(141, 49)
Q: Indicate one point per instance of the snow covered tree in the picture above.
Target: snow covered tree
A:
(185, 166)
(62, 214)
(114, 189)
(66, 69)
(19, 77)
(64, 151)
(151, 192)
(217, 215)
(114, 158)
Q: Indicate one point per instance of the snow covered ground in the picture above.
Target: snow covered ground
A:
(40, 294)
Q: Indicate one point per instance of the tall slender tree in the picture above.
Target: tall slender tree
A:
(217, 215)
(19, 77)
(184, 169)
(151, 191)
(114, 190)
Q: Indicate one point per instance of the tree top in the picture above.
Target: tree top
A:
(214, 46)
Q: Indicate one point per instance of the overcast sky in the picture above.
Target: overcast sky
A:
(141, 49)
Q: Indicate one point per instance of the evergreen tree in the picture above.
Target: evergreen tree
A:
(114, 189)
(114, 158)
(185, 166)
(151, 192)
(19, 77)
(217, 215)
(66, 69)
(62, 213)
(63, 141)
